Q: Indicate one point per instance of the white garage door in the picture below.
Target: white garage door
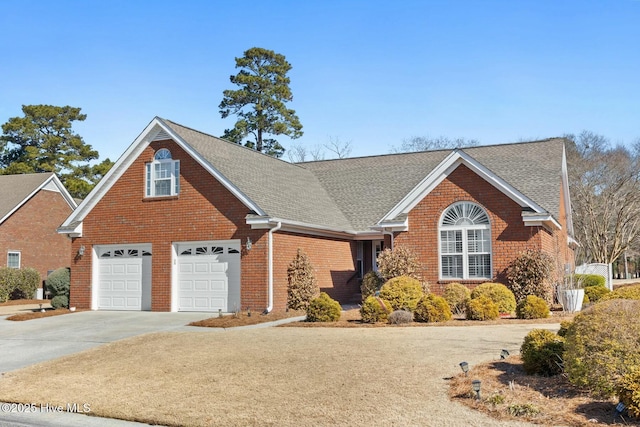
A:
(209, 276)
(124, 278)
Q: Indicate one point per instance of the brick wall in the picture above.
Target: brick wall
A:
(332, 260)
(509, 234)
(32, 231)
(204, 210)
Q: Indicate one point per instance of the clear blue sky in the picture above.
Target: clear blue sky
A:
(370, 72)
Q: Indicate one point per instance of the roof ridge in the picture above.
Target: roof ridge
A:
(435, 151)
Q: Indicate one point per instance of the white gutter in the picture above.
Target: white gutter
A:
(270, 262)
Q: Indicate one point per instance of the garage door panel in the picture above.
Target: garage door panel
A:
(186, 268)
(208, 275)
(201, 267)
(218, 267)
(134, 269)
(120, 284)
(201, 285)
(218, 285)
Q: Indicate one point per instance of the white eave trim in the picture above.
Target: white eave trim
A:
(63, 191)
(265, 223)
(537, 220)
(71, 231)
(446, 167)
(136, 148)
(392, 225)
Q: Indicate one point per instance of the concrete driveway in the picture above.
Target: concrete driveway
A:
(38, 340)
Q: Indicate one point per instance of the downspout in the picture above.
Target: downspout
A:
(390, 233)
(270, 262)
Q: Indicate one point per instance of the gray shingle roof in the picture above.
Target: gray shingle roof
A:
(281, 189)
(354, 194)
(533, 168)
(367, 188)
(15, 188)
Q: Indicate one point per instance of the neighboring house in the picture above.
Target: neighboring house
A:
(32, 207)
(185, 221)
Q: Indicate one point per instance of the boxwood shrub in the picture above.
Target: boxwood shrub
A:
(602, 345)
(498, 293)
(403, 293)
(481, 308)
(375, 309)
(542, 353)
(532, 307)
(432, 308)
(323, 309)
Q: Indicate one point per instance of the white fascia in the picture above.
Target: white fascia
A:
(73, 230)
(446, 167)
(540, 220)
(392, 225)
(267, 223)
(134, 150)
(263, 223)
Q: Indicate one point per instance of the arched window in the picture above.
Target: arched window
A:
(163, 175)
(465, 242)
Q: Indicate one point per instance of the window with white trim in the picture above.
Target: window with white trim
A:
(13, 259)
(163, 175)
(465, 242)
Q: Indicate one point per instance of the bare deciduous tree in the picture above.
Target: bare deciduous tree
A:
(605, 195)
(341, 149)
(424, 143)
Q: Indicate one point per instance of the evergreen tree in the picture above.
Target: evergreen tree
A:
(44, 141)
(260, 102)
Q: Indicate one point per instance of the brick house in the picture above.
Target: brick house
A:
(32, 207)
(185, 221)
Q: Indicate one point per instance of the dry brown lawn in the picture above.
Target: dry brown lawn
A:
(274, 376)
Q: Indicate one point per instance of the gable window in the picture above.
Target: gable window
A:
(163, 175)
(465, 242)
(13, 259)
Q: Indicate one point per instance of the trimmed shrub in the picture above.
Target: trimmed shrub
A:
(371, 283)
(400, 317)
(10, 279)
(482, 308)
(302, 285)
(532, 307)
(60, 301)
(564, 327)
(530, 274)
(629, 391)
(432, 308)
(403, 293)
(323, 309)
(400, 261)
(628, 292)
(602, 345)
(456, 296)
(375, 309)
(541, 353)
(499, 294)
(27, 284)
(594, 293)
(58, 281)
(589, 280)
